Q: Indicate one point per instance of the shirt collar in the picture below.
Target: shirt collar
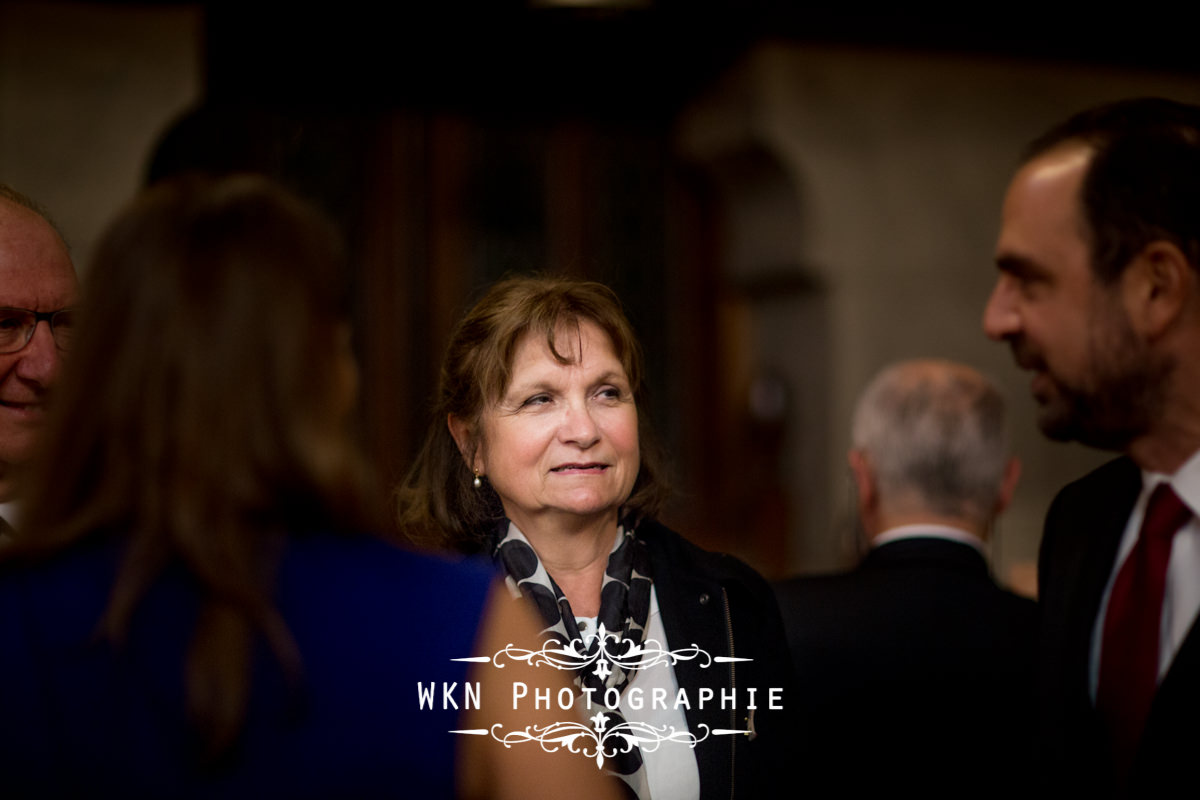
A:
(928, 531)
(1185, 482)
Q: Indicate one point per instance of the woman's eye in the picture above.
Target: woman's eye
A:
(610, 393)
(537, 400)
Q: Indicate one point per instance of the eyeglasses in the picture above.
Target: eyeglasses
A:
(18, 324)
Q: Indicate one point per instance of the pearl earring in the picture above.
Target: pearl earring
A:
(478, 482)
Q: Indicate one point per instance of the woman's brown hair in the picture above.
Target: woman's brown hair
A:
(198, 418)
(438, 501)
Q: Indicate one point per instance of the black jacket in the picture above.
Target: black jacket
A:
(1083, 531)
(915, 672)
(724, 607)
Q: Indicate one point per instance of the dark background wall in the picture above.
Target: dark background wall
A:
(785, 198)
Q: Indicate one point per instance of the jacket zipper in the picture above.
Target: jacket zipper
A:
(733, 688)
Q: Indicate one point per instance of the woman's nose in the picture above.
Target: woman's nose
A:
(578, 426)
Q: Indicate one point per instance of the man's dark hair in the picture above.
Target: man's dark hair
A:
(1143, 182)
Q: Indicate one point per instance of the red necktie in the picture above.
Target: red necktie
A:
(1129, 652)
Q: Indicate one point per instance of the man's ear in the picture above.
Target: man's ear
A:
(1008, 484)
(460, 429)
(864, 480)
(1155, 288)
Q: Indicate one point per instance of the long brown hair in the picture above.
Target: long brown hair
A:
(196, 419)
(437, 501)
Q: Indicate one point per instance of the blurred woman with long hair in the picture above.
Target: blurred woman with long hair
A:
(195, 606)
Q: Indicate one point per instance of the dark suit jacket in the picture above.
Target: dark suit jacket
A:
(1083, 530)
(717, 603)
(914, 671)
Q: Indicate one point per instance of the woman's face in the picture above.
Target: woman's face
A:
(560, 446)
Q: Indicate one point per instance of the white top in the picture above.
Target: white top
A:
(1181, 600)
(671, 769)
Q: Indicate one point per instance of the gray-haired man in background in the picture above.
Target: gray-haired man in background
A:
(915, 670)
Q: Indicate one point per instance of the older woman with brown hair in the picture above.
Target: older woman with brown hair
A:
(538, 456)
(196, 606)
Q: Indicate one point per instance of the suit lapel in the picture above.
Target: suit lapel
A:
(1083, 531)
(1177, 701)
(1107, 515)
(1184, 667)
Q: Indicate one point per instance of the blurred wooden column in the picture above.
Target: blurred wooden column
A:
(566, 200)
(412, 277)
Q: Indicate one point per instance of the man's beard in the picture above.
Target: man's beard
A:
(1119, 397)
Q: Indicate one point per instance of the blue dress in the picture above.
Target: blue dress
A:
(81, 716)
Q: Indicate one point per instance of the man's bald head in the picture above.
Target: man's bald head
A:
(36, 275)
(932, 433)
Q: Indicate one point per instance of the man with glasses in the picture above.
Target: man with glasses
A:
(37, 290)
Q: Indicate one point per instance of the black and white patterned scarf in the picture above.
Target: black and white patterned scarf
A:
(624, 611)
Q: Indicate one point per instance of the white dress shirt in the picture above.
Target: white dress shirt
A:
(1181, 599)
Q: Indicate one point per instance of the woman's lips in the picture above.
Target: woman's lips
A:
(31, 408)
(588, 467)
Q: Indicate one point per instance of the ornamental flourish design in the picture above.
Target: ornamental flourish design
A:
(613, 649)
(600, 742)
